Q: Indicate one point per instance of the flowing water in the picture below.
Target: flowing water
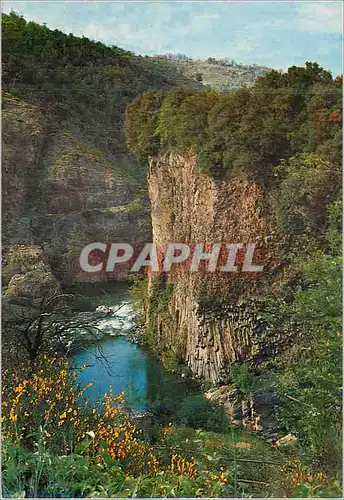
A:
(117, 362)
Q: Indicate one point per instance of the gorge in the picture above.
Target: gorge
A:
(102, 147)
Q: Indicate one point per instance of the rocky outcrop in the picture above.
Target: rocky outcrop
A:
(219, 74)
(254, 412)
(211, 319)
(28, 275)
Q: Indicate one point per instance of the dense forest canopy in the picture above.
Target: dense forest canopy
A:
(249, 130)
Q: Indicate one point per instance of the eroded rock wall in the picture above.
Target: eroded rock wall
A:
(61, 192)
(211, 319)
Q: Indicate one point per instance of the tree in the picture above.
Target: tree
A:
(141, 123)
(309, 377)
(308, 185)
(169, 116)
(44, 326)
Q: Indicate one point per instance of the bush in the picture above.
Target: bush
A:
(210, 162)
(55, 444)
(42, 406)
(138, 296)
(200, 413)
(309, 375)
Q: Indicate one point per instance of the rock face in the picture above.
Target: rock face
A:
(60, 192)
(210, 319)
(28, 275)
(23, 125)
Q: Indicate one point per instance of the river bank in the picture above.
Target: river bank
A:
(115, 359)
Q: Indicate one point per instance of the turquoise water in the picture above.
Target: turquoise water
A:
(121, 365)
(125, 366)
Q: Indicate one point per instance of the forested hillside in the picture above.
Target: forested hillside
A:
(86, 83)
(68, 175)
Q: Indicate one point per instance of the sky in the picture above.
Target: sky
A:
(276, 34)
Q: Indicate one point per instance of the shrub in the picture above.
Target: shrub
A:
(138, 296)
(210, 162)
(43, 405)
(308, 185)
(56, 444)
(309, 375)
(198, 412)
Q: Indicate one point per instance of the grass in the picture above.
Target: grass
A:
(256, 466)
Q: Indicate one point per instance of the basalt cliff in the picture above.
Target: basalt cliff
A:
(211, 319)
(253, 166)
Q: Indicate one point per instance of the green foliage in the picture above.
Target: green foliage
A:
(309, 376)
(43, 474)
(242, 377)
(169, 118)
(160, 291)
(141, 123)
(210, 162)
(150, 298)
(308, 185)
(200, 413)
(335, 226)
(37, 474)
(311, 490)
(138, 295)
(263, 466)
(188, 120)
(250, 131)
(171, 362)
(15, 91)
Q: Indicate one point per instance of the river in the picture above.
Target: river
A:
(117, 362)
